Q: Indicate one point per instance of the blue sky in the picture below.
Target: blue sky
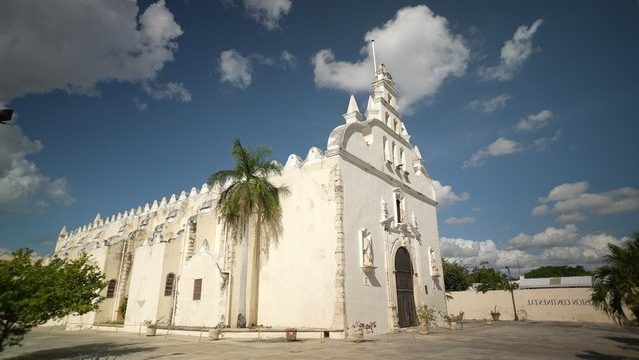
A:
(525, 112)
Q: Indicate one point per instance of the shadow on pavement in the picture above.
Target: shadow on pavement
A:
(589, 354)
(633, 343)
(86, 351)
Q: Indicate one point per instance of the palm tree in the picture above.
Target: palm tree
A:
(247, 195)
(616, 284)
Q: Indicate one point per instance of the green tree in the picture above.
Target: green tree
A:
(557, 271)
(32, 292)
(486, 278)
(616, 283)
(248, 196)
(456, 276)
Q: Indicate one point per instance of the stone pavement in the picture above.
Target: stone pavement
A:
(503, 340)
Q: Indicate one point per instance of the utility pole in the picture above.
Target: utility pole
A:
(510, 286)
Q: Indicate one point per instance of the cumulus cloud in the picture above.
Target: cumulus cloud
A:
(573, 203)
(269, 13)
(416, 45)
(540, 210)
(534, 121)
(22, 187)
(569, 249)
(490, 105)
(513, 54)
(549, 237)
(446, 196)
(499, 147)
(171, 91)
(543, 143)
(237, 69)
(60, 45)
(460, 220)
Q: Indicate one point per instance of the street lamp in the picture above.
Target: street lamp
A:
(511, 294)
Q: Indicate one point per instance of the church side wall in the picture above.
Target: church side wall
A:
(297, 279)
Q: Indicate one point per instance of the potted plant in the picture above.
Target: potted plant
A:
(495, 313)
(214, 334)
(360, 327)
(454, 321)
(427, 318)
(291, 334)
(151, 327)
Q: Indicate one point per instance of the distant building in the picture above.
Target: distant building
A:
(556, 282)
(359, 243)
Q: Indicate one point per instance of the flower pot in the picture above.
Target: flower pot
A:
(488, 321)
(214, 334)
(358, 336)
(455, 325)
(495, 316)
(150, 331)
(291, 334)
(422, 329)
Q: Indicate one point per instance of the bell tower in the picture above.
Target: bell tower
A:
(383, 103)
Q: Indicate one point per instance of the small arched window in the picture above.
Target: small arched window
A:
(111, 289)
(168, 285)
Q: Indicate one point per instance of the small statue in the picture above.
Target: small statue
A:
(367, 248)
(241, 321)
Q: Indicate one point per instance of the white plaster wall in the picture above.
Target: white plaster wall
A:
(297, 280)
(566, 304)
(367, 296)
(209, 310)
(146, 284)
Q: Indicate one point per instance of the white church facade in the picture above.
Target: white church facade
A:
(359, 241)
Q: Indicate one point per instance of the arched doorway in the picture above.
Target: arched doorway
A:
(404, 283)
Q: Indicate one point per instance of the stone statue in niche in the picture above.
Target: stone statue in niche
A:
(434, 269)
(367, 248)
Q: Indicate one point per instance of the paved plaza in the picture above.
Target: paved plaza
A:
(503, 340)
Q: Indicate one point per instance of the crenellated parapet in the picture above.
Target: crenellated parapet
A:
(145, 219)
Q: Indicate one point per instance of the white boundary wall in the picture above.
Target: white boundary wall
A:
(565, 304)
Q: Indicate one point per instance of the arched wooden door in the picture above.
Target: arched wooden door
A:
(404, 284)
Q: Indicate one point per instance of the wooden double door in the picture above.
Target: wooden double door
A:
(405, 294)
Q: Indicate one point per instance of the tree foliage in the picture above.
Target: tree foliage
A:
(456, 277)
(248, 194)
(486, 278)
(616, 283)
(557, 271)
(32, 292)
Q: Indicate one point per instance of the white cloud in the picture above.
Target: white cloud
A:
(235, 69)
(417, 47)
(490, 105)
(540, 210)
(549, 237)
(573, 203)
(171, 91)
(586, 250)
(141, 106)
(269, 13)
(460, 220)
(499, 147)
(22, 187)
(288, 60)
(543, 143)
(566, 191)
(534, 121)
(61, 45)
(446, 196)
(513, 54)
